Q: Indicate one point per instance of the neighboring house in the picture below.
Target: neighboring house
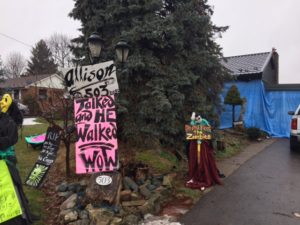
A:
(256, 76)
(42, 88)
(258, 66)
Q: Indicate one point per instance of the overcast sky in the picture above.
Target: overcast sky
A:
(254, 26)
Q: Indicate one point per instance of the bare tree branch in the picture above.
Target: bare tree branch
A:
(14, 65)
(59, 45)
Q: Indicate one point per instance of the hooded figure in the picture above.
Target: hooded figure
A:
(8, 138)
(203, 171)
(11, 108)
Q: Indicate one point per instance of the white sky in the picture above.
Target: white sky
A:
(255, 26)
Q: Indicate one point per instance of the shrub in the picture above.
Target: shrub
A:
(253, 133)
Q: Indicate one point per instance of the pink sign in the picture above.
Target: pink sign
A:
(96, 146)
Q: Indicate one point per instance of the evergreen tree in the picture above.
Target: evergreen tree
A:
(173, 68)
(41, 61)
(233, 98)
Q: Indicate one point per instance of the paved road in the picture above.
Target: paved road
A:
(263, 191)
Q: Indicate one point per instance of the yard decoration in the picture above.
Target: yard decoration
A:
(203, 171)
(92, 81)
(96, 145)
(12, 208)
(35, 140)
(46, 158)
(9, 204)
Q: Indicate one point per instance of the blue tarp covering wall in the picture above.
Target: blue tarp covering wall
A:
(267, 110)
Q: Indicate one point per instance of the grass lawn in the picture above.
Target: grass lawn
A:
(27, 156)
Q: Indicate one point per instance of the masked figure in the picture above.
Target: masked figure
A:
(203, 171)
(8, 138)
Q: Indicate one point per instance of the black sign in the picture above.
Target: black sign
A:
(50, 147)
(46, 158)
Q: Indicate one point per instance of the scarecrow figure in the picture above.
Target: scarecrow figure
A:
(203, 171)
(18, 212)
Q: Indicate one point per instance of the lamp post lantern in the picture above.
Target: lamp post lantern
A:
(122, 50)
(95, 43)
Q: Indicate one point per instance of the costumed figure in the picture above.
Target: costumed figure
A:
(203, 171)
(13, 203)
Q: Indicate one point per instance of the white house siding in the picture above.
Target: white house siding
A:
(53, 81)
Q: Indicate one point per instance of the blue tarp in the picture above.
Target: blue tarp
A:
(266, 110)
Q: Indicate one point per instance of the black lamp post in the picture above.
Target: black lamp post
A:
(122, 50)
(95, 44)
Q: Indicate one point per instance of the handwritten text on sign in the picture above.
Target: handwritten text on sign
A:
(9, 204)
(50, 147)
(198, 132)
(92, 81)
(96, 146)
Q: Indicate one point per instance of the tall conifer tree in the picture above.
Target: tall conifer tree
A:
(173, 68)
(41, 61)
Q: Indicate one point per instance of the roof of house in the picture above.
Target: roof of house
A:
(247, 64)
(23, 81)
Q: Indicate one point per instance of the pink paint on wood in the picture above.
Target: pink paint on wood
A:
(96, 147)
(38, 139)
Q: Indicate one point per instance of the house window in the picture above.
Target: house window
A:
(16, 94)
(42, 94)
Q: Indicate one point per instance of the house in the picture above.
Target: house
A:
(41, 88)
(259, 66)
(256, 76)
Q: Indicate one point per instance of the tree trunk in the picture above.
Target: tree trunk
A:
(67, 158)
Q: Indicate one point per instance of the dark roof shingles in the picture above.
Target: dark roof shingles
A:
(246, 64)
(21, 82)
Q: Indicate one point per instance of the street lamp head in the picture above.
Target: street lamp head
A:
(122, 50)
(95, 43)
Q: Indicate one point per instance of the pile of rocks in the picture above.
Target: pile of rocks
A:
(139, 194)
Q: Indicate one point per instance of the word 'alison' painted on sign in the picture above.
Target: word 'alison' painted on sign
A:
(96, 145)
(92, 81)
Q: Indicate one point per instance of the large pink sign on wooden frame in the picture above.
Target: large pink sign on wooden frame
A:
(96, 146)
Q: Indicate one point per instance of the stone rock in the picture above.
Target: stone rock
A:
(130, 220)
(125, 195)
(84, 214)
(69, 202)
(69, 216)
(65, 194)
(84, 182)
(151, 187)
(62, 214)
(63, 187)
(100, 216)
(72, 187)
(116, 221)
(154, 203)
(145, 191)
(146, 208)
(149, 219)
(128, 182)
(134, 203)
(80, 222)
(168, 179)
(135, 196)
(96, 193)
